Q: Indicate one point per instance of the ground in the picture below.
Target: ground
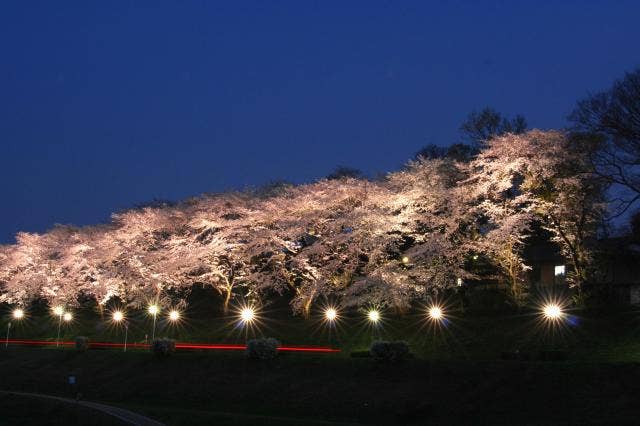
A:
(458, 375)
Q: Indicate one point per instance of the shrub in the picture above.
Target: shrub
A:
(163, 347)
(389, 351)
(262, 348)
(82, 343)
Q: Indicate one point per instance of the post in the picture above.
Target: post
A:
(59, 325)
(153, 334)
(6, 343)
(126, 332)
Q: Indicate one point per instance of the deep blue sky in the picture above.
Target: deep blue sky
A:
(107, 104)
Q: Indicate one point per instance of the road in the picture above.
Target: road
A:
(126, 416)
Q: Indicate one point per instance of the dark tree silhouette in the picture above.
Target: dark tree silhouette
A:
(615, 116)
(458, 152)
(488, 123)
(343, 172)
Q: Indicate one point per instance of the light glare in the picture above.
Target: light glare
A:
(330, 314)
(153, 309)
(67, 316)
(18, 314)
(435, 313)
(552, 311)
(58, 310)
(374, 316)
(118, 316)
(247, 315)
(174, 315)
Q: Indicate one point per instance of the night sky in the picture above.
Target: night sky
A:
(104, 105)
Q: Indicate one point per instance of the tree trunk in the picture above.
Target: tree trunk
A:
(227, 299)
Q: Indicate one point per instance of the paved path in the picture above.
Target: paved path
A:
(126, 416)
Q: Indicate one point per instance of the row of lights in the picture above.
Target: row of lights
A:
(247, 315)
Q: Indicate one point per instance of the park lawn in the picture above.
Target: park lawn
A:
(612, 336)
(22, 410)
(199, 387)
(456, 377)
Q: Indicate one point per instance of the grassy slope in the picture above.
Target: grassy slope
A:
(590, 337)
(184, 388)
(457, 377)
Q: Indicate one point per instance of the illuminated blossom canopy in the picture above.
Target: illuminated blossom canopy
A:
(388, 242)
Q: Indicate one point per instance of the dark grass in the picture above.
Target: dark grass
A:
(194, 388)
(24, 410)
(456, 377)
(586, 335)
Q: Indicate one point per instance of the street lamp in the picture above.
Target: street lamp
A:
(153, 310)
(247, 315)
(552, 312)
(59, 312)
(373, 316)
(17, 315)
(118, 317)
(174, 316)
(435, 313)
(330, 315)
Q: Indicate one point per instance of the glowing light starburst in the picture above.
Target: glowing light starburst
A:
(117, 316)
(174, 315)
(247, 315)
(373, 316)
(153, 310)
(17, 314)
(330, 314)
(58, 310)
(552, 312)
(67, 316)
(435, 313)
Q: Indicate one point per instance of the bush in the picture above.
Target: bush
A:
(262, 348)
(163, 347)
(389, 351)
(82, 343)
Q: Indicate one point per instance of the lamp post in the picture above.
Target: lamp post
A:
(118, 317)
(59, 311)
(17, 315)
(174, 316)
(374, 317)
(435, 313)
(330, 317)
(153, 310)
(6, 343)
(246, 315)
(552, 312)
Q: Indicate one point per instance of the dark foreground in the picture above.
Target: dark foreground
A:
(225, 388)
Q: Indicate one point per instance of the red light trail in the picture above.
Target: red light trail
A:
(187, 346)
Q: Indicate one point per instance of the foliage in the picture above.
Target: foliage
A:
(615, 115)
(482, 126)
(263, 349)
(389, 351)
(391, 242)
